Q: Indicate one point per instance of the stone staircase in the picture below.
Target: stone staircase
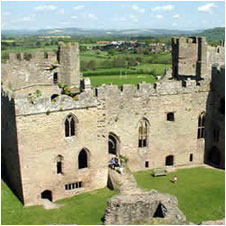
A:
(124, 182)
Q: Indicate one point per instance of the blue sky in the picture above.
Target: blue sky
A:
(180, 15)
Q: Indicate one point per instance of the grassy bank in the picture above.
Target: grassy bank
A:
(87, 208)
(200, 192)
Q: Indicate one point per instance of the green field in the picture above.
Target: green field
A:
(121, 80)
(200, 191)
(87, 208)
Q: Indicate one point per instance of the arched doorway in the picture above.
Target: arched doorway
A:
(169, 160)
(47, 194)
(113, 144)
(214, 156)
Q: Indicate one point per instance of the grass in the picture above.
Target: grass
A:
(87, 209)
(200, 191)
(117, 80)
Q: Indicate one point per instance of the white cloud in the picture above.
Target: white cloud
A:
(74, 17)
(45, 8)
(122, 19)
(163, 8)
(159, 16)
(137, 9)
(91, 16)
(207, 8)
(26, 19)
(6, 13)
(174, 24)
(133, 18)
(79, 7)
(176, 16)
(61, 11)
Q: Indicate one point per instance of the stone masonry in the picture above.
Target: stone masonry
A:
(55, 146)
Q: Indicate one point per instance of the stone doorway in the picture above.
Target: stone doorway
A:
(47, 194)
(113, 144)
(169, 160)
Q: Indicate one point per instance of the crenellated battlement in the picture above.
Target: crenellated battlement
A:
(25, 105)
(169, 87)
(34, 56)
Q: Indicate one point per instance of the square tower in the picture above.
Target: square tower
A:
(68, 57)
(189, 57)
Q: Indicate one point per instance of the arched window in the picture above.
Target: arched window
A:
(201, 126)
(70, 126)
(83, 159)
(59, 164)
(143, 133)
(113, 144)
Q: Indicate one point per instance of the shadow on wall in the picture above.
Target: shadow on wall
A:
(10, 164)
(214, 135)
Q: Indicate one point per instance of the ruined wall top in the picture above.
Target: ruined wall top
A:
(189, 40)
(35, 56)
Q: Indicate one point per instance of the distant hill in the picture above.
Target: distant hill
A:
(212, 35)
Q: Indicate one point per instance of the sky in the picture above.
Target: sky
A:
(174, 15)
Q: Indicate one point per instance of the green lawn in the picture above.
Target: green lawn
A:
(200, 191)
(87, 208)
(117, 80)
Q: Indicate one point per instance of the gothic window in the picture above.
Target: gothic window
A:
(59, 164)
(170, 116)
(143, 133)
(83, 159)
(70, 126)
(201, 126)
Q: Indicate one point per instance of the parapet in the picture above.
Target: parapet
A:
(168, 87)
(35, 56)
(184, 40)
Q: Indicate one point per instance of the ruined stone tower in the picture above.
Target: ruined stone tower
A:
(189, 57)
(69, 72)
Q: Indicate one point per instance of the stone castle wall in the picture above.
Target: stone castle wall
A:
(39, 127)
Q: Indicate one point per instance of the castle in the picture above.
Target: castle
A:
(55, 146)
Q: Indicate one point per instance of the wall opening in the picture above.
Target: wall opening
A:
(59, 164)
(47, 194)
(147, 164)
(113, 144)
(160, 211)
(143, 133)
(55, 78)
(169, 160)
(53, 97)
(69, 126)
(170, 116)
(201, 126)
(83, 159)
(191, 157)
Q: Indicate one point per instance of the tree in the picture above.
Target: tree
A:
(92, 65)
(84, 65)
(119, 62)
